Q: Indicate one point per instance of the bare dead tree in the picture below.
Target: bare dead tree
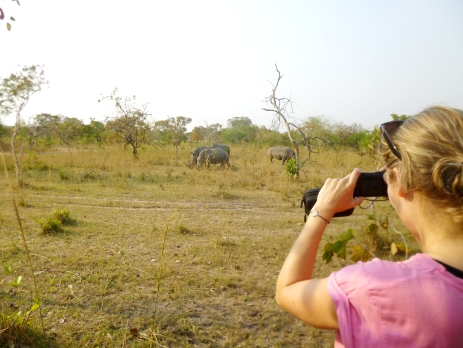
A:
(281, 107)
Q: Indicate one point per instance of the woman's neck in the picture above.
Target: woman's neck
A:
(443, 242)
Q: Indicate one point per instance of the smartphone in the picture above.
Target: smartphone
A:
(371, 185)
(368, 185)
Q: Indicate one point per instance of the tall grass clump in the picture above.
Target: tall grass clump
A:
(16, 326)
(160, 269)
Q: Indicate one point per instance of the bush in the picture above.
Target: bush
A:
(48, 224)
(291, 167)
(54, 222)
(64, 216)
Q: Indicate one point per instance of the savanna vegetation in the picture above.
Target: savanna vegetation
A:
(101, 250)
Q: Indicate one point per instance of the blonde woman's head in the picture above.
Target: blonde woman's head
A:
(431, 146)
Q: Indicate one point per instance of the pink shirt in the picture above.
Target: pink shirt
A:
(415, 303)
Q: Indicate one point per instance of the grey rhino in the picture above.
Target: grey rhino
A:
(195, 154)
(214, 155)
(223, 147)
(281, 153)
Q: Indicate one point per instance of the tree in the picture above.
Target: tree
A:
(94, 132)
(240, 129)
(15, 92)
(213, 133)
(173, 129)
(209, 134)
(281, 108)
(337, 133)
(42, 125)
(129, 124)
(271, 137)
(69, 129)
(198, 134)
(239, 122)
(350, 135)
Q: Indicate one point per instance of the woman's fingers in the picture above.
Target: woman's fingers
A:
(337, 194)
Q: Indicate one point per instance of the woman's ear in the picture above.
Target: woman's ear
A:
(401, 191)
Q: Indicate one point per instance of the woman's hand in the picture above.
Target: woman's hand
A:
(338, 195)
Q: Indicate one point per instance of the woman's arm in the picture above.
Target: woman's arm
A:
(296, 292)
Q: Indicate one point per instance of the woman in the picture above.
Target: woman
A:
(415, 303)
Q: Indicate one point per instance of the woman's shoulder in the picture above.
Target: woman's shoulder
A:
(378, 270)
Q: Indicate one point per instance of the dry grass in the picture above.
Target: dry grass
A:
(161, 255)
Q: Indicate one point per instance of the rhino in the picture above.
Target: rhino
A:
(195, 154)
(224, 147)
(283, 153)
(213, 155)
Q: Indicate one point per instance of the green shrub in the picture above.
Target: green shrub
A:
(54, 222)
(291, 167)
(62, 215)
(49, 224)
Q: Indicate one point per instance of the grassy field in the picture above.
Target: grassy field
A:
(156, 254)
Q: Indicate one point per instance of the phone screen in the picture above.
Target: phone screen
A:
(371, 185)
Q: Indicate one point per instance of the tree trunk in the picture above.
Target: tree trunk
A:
(134, 152)
(17, 157)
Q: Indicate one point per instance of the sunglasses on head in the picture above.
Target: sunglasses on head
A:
(387, 129)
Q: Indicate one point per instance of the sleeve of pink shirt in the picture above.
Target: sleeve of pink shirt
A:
(362, 301)
(341, 301)
(348, 289)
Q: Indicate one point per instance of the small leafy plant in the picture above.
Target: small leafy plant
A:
(49, 225)
(53, 222)
(7, 271)
(339, 248)
(62, 215)
(15, 325)
(360, 252)
(291, 167)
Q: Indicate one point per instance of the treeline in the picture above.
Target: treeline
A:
(132, 125)
(47, 130)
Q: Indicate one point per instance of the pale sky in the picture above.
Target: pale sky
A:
(212, 60)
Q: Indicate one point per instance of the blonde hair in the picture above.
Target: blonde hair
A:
(431, 146)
